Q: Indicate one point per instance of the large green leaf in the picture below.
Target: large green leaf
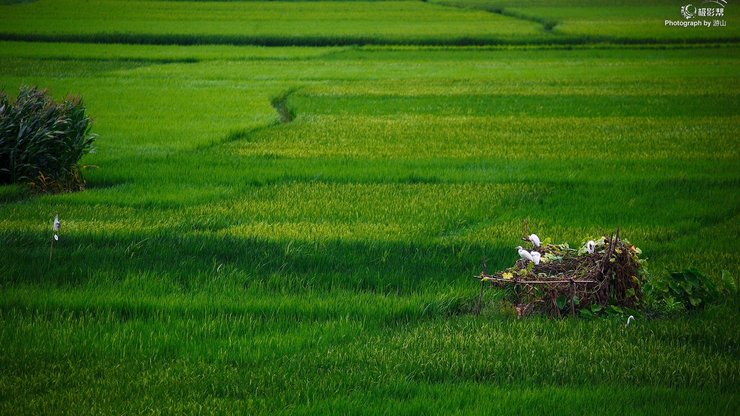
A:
(561, 302)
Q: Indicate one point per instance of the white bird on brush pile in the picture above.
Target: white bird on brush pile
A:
(524, 253)
(590, 246)
(534, 239)
(535, 257)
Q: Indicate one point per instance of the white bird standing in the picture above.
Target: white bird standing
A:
(590, 246)
(57, 225)
(630, 319)
(535, 257)
(534, 239)
(524, 253)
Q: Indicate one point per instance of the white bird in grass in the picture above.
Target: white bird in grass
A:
(590, 246)
(630, 319)
(535, 257)
(534, 239)
(524, 253)
(57, 225)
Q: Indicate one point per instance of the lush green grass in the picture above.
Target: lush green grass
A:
(630, 21)
(224, 262)
(92, 351)
(129, 348)
(268, 23)
(327, 23)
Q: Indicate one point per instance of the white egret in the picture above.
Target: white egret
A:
(57, 225)
(524, 253)
(590, 246)
(535, 257)
(630, 319)
(534, 239)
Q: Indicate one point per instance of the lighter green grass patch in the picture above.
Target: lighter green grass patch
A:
(218, 22)
(155, 53)
(506, 138)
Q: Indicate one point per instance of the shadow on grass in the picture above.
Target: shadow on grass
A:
(546, 38)
(287, 266)
(14, 193)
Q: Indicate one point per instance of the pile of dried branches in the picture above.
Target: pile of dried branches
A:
(568, 280)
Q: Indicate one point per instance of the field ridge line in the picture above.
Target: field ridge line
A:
(547, 24)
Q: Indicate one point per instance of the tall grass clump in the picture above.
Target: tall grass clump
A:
(42, 141)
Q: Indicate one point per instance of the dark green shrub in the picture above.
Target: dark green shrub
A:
(42, 141)
(684, 290)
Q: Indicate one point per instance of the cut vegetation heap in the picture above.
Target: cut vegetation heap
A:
(571, 280)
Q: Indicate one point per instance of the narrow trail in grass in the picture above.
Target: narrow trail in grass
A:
(280, 104)
(285, 116)
(548, 25)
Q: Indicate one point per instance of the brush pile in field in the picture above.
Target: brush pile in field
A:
(569, 280)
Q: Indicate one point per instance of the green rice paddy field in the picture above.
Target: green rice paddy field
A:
(288, 201)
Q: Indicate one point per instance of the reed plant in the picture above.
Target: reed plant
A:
(42, 141)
